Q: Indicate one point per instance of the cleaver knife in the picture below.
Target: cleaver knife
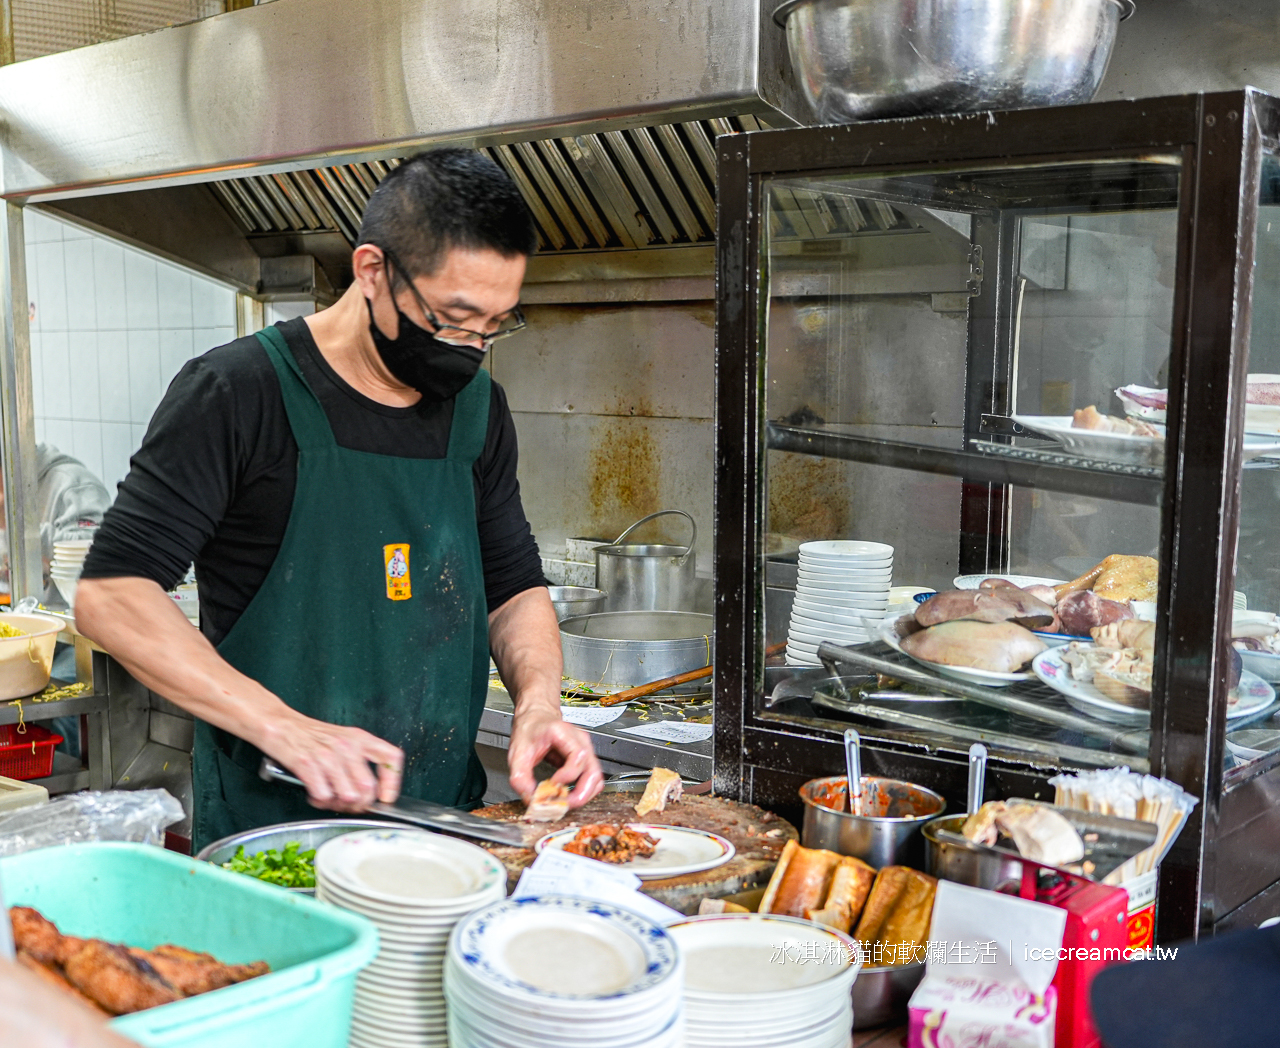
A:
(421, 813)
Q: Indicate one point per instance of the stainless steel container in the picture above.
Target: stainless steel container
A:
(629, 648)
(575, 600)
(950, 861)
(871, 59)
(880, 995)
(653, 577)
(887, 835)
(308, 834)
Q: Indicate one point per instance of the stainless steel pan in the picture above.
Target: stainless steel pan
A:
(627, 648)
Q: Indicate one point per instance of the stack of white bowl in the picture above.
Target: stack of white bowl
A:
(842, 590)
(415, 886)
(551, 971)
(764, 981)
(67, 563)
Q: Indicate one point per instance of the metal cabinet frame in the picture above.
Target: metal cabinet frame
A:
(1222, 872)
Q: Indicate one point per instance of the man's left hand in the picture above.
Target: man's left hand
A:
(536, 735)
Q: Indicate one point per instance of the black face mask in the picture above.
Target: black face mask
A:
(436, 369)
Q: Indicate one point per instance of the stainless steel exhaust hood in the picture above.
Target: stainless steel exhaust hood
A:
(301, 83)
(262, 132)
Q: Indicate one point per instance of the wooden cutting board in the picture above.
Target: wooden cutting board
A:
(756, 834)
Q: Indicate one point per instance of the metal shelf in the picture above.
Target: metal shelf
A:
(68, 775)
(43, 711)
(988, 463)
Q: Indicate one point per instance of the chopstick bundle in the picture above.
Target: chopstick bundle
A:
(1128, 795)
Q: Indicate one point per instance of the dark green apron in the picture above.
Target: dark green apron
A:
(373, 614)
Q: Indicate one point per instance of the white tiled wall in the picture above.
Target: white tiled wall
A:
(110, 327)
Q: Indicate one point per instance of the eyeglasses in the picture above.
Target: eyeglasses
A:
(450, 333)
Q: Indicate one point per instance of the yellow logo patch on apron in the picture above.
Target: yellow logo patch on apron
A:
(396, 558)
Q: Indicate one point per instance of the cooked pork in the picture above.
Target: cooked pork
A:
(610, 843)
(664, 786)
(1039, 833)
(1000, 604)
(1091, 418)
(1080, 612)
(1002, 647)
(550, 802)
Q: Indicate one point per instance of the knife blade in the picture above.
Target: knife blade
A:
(420, 813)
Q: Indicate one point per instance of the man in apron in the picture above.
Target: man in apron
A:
(345, 485)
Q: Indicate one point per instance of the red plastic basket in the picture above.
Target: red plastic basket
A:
(28, 755)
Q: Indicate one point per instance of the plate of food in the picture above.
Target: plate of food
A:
(649, 851)
(1113, 684)
(1261, 411)
(1089, 432)
(1256, 636)
(974, 652)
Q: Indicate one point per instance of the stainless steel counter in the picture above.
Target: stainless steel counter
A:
(617, 752)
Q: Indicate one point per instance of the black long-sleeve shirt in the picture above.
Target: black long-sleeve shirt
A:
(214, 480)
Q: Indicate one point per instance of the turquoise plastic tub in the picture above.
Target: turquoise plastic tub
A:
(143, 896)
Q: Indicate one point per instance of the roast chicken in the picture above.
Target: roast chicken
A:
(1118, 577)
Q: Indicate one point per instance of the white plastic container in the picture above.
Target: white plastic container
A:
(25, 662)
(15, 794)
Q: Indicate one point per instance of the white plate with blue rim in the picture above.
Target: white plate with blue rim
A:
(579, 953)
(1250, 696)
(680, 850)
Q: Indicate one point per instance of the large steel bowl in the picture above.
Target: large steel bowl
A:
(872, 59)
(310, 834)
(629, 648)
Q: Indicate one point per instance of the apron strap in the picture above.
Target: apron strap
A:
(310, 425)
(470, 419)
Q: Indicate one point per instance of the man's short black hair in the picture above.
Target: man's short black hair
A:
(443, 199)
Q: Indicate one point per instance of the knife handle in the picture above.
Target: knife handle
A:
(270, 771)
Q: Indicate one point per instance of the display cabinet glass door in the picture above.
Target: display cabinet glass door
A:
(942, 355)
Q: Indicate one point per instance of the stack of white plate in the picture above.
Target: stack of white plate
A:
(68, 562)
(548, 971)
(842, 590)
(764, 981)
(415, 886)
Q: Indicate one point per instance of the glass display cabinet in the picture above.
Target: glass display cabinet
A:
(1033, 345)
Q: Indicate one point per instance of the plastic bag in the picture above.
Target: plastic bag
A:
(115, 815)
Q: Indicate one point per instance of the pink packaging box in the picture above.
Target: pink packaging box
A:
(962, 1012)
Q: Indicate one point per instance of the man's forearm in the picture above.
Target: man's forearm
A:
(136, 622)
(525, 640)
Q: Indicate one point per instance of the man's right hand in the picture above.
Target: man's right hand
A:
(333, 761)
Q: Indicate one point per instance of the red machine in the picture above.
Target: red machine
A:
(1096, 935)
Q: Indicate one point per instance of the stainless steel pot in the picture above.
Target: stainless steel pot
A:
(871, 59)
(629, 648)
(310, 835)
(575, 600)
(880, 995)
(887, 835)
(950, 861)
(651, 577)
